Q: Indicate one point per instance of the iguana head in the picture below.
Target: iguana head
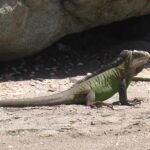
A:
(135, 60)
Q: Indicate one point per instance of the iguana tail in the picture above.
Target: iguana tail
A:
(61, 98)
(141, 79)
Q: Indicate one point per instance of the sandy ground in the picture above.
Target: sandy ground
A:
(73, 127)
(79, 127)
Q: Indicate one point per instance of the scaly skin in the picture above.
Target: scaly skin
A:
(95, 89)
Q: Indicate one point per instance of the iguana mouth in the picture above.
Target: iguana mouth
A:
(141, 61)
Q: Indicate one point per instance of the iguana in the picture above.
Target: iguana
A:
(95, 89)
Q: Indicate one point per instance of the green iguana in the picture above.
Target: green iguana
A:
(95, 89)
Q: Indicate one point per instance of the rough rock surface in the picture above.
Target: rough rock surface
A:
(28, 26)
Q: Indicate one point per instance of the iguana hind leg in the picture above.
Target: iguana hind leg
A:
(90, 98)
(91, 101)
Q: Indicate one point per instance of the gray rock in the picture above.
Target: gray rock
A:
(28, 26)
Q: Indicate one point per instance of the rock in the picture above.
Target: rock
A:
(97, 12)
(29, 26)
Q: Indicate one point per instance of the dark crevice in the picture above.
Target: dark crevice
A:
(80, 53)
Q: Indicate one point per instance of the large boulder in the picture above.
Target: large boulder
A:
(28, 26)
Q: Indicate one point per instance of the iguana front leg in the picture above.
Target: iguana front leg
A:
(123, 95)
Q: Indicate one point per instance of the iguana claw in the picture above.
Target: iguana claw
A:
(100, 104)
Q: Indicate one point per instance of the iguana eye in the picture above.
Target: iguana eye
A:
(136, 55)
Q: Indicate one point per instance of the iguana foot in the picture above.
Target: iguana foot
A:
(100, 104)
(129, 103)
(135, 102)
